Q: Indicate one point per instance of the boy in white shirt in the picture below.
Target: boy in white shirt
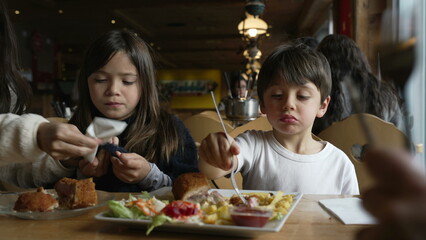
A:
(293, 87)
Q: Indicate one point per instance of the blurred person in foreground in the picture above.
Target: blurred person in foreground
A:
(29, 137)
(398, 200)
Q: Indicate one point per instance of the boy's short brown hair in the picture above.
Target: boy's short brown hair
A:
(296, 64)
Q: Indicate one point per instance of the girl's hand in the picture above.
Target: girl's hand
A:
(62, 140)
(100, 164)
(216, 151)
(98, 167)
(130, 167)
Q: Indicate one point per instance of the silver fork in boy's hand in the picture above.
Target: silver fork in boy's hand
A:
(234, 184)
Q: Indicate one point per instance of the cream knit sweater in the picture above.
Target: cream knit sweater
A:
(22, 162)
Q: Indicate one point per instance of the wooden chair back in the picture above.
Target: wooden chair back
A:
(200, 125)
(348, 135)
(225, 183)
(260, 123)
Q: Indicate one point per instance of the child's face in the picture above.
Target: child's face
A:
(115, 88)
(292, 109)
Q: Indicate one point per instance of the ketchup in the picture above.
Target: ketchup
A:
(181, 209)
(251, 217)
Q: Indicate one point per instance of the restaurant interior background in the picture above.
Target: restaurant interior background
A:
(197, 41)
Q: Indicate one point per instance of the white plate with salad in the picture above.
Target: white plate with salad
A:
(133, 211)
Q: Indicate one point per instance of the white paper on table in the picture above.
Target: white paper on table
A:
(348, 210)
(104, 129)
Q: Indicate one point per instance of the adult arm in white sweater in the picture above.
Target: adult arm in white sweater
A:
(22, 162)
(18, 138)
(30, 148)
(29, 137)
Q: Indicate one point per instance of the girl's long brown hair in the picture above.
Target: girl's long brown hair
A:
(11, 82)
(153, 134)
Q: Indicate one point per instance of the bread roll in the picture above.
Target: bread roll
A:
(190, 184)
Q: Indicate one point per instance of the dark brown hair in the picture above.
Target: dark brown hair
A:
(153, 133)
(296, 64)
(11, 82)
(347, 60)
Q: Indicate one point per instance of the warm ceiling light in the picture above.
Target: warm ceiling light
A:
(17, 12)
(252, 32)
(60, 11)
(112, 21)
(252, 26)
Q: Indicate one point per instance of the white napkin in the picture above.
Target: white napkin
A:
(104, 129)
(348, 210)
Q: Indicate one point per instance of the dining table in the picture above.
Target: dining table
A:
(307, 221)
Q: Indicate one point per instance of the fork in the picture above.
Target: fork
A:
(234, 183)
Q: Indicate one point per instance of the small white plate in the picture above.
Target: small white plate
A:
(226, 230)
(7, 202)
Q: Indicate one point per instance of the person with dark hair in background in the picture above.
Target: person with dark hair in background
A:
(308, 41)
(29, 137)
(347, 61)
(239, 86)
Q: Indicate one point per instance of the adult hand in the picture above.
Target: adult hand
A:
(398, 200)
(99, 166)
(62, 140)
(130, 167)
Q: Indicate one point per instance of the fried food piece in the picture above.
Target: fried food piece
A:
(73, 193)
(190, 185)
(39, 201)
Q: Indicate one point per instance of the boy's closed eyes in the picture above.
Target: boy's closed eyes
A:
(305, 93)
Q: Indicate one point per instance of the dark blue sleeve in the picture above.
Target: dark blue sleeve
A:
(185, 159)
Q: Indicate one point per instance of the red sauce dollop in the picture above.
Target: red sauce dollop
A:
(251, 217)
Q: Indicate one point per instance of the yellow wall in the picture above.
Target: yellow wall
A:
(193, 102)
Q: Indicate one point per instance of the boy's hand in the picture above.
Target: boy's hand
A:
(130, 167)
(216, 151)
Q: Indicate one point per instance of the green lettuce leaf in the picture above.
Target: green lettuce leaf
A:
(158, 220)
(118, 210)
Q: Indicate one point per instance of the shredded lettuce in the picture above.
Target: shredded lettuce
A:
(158, 220)
(121, 209)
(118, 210)
(126, 209)
(144, 195)
(278, 216)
